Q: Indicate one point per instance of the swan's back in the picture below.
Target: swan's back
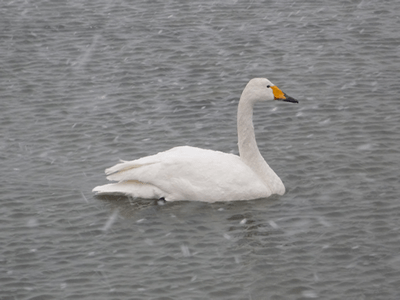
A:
(186, 173)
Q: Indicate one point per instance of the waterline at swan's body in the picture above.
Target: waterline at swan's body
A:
(189, 173)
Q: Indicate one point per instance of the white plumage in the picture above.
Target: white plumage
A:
(190, 173)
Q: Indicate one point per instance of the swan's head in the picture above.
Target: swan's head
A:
(261, 89)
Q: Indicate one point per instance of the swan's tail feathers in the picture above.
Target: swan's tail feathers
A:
(132, 188)
(123, 171)
(121, 167)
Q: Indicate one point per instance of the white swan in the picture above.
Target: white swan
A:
(189, 173)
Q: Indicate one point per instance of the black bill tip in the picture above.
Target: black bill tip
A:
(290, 99)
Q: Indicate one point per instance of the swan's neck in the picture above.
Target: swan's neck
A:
(248, 148)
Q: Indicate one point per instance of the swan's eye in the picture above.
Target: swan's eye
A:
(268, 86)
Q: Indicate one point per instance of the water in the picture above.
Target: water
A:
(86, 84)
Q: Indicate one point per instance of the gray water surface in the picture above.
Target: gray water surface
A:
(85, 84)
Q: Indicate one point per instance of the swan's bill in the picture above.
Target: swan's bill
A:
(279, 95)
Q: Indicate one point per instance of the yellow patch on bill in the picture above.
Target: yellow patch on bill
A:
(278, 93)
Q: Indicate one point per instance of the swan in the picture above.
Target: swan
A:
(190, 173)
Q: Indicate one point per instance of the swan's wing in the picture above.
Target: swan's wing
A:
(130, 181)
(187, 173)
